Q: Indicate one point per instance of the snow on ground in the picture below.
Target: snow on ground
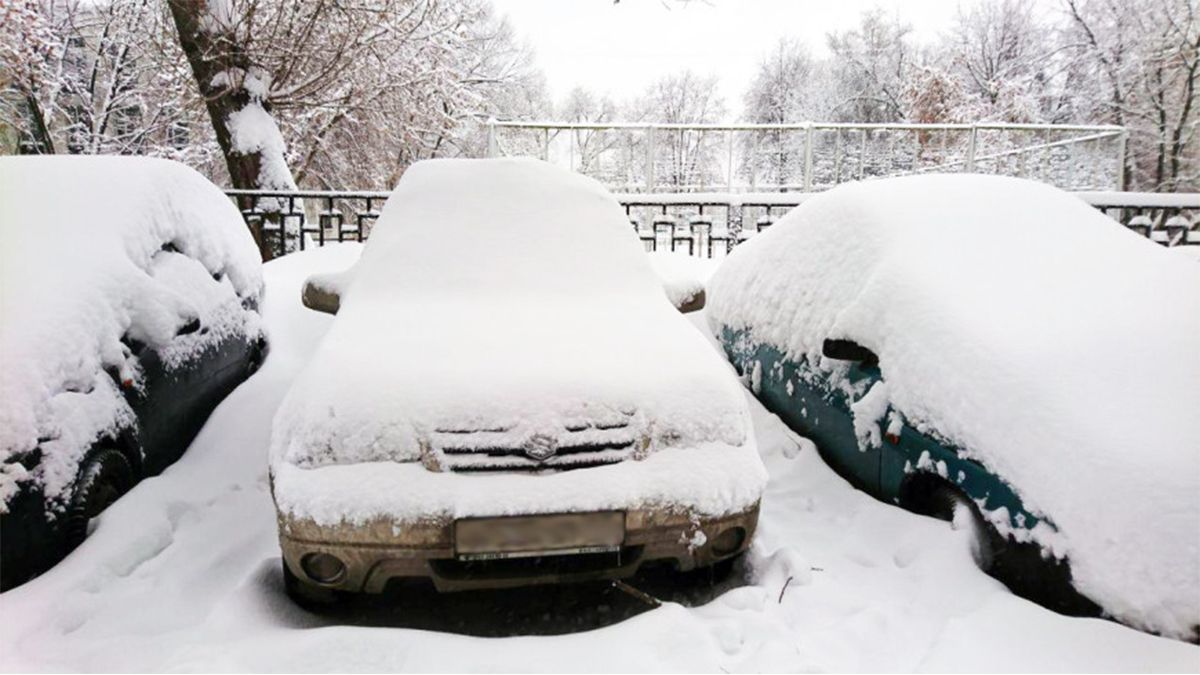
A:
(1014, 321)
(1192, 251)
(183, 574)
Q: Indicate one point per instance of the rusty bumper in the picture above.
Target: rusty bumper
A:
(379, 551)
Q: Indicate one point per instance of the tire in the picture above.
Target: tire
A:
(258, 354)
(104, 476)
(1028, 573)
(1021, 566)
(951, 505)
(308, 596)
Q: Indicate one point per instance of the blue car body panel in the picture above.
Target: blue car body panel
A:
(807, 400)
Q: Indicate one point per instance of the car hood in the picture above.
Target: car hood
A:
(393, 376)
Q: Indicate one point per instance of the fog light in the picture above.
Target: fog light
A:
(323, 568)
(729, 541)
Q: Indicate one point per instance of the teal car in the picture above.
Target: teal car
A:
(988, 350)
(915, 470)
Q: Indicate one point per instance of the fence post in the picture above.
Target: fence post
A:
(650, 157)
(808, 157)
(729, 162)
(492, 148)
(837, 156)
(862, 155)
(971, 148)
(1122, 141)
(754, 162)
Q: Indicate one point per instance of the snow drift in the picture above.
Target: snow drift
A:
(1054, 345)
(100, 252)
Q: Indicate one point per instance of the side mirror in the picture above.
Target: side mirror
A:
(321, 299)
(848, 350)
(681, 281)
(323, 292)
(691, 303)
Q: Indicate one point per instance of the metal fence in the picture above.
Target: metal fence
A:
(813, 155)
(708, 224)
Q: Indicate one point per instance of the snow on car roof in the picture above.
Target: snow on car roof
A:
(502, 226)
(97, 249)
(508, 295)
(1052, 344)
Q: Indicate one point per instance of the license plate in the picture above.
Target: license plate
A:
(524, 536)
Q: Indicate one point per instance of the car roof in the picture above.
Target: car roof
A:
(516, 227)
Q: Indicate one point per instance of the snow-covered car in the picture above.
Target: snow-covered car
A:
(995, 351)
(506, 397)
(129, 289)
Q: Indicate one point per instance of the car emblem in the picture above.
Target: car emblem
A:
(541, 447)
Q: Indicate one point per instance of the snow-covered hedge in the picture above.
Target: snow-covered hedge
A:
(1056, 346)
(99, 252)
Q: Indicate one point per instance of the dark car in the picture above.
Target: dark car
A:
(134, 312)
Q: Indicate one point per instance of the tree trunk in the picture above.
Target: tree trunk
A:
(42, 144)
(219, 65)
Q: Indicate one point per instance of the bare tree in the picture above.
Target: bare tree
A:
(871, 65)
(89, 77)
(28, 50)
(342, 93)
(1140, 61)
(789, 87)
(356, 91)
(684, 159)
(590, 145)
(1001, 57)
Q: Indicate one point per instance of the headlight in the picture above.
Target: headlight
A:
(729, 541)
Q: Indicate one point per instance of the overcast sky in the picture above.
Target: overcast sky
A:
(621, 48)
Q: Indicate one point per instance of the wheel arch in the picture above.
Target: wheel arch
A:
(919, 492)
(126, 442)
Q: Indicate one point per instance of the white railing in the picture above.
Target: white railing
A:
(637, 157)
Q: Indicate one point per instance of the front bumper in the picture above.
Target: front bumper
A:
(378, 551)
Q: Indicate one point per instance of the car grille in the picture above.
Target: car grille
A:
(578, 445)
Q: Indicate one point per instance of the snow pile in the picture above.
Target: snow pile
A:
(506, 296)
(100, 252)
(1048, 340)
